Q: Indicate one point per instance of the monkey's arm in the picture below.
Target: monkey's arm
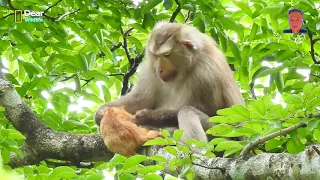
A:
(157, 118)
(132, 102)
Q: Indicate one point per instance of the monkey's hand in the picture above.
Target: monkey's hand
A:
(143, 117)
(158, 118)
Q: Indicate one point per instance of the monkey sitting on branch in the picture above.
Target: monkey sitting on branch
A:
(120, 134)
(184, 80)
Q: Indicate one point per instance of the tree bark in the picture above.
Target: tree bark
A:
(42, 143)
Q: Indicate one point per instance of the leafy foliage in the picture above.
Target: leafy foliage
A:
(77, 59)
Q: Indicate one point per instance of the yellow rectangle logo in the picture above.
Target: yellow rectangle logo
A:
(18, 13)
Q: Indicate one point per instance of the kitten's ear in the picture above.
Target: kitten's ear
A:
(188, 44)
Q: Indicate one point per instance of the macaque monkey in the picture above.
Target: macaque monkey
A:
(184, 80)
(120, 134)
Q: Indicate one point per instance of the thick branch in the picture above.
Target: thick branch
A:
(42, 142)
(304, 165)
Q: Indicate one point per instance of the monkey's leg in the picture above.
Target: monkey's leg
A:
(194, 123)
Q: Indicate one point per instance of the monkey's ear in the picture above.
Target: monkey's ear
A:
(189, 44)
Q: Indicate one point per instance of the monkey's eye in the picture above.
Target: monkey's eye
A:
(166, 54)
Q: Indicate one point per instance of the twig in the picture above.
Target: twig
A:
(67, 78)
(66, 14)
(252, 90)
(188, 17)
(125, 44)
(312, 42)
(87, 81)
(11, 6)
(52, 6)
(318, 76)
(246, 150)
(316, 149)
(116, 74)
(125, 83)
(176, 12)
(114, 47)
(7, 15)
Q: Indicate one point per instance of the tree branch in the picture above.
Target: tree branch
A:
(261, 166)
(136, 62)
(52, 6)
(312, 42)
(11, 6)
(246, 150)
(176, 12)
(125, 44)
(41, 141)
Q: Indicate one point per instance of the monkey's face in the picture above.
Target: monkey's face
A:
(165, 52)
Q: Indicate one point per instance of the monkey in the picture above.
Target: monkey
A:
(121, 135)
(184, 80)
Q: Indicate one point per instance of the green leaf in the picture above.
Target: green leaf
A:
(177, 134)
(158, 158)
(216, 141)
(23, 37)
(253, 33)
(244, 76)
(77, 83)
(188, 7)
(30, 68)
(316, 135)
(91, 60)
(272, 144)
(264, 72)
(260, 107)
(107, 52)
(63, 172)
(235, 110)
(223, 41)
(156, 141)
(172, 150)
(295, 146)
(165, 133)
(117, 159)
(279, 81)
(226, 145)
(96, 176)
(133, 161)
(151, 169)
(244, 7)
(235, 51)
(136, 42)
(220, 130)
(14, 134)
(150, 5)
(152, 177)
(292, 98)
(167, 4)
(313, 124)
(82, 62)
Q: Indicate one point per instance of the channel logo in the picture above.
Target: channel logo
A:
(28, 16)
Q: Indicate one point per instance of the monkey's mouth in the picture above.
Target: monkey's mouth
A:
(168, 77)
